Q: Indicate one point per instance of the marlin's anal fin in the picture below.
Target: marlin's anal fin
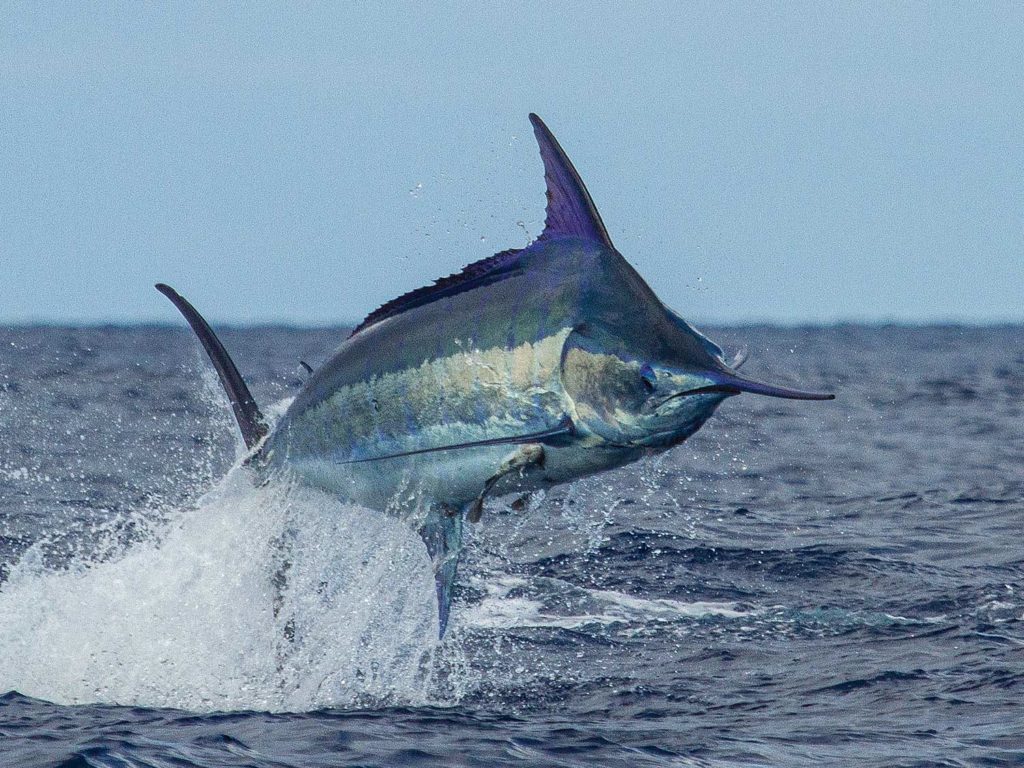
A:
(525, 456)
(442, 530)
(442, 533)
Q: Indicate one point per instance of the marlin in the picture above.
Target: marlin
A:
(530, 368)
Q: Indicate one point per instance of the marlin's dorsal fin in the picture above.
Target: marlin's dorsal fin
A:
(570, 211)
(477, 274)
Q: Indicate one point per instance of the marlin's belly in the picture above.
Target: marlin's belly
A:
(452, 478)
(351, 441)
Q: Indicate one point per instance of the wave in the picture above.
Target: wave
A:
(507, 605)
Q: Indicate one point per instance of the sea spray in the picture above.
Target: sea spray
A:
(198, 616)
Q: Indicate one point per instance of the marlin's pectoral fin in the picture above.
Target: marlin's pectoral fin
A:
(525, 456)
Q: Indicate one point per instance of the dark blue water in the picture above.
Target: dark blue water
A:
(800, 584)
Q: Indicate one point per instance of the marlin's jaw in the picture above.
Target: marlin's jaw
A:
(682, 406)
(729, 383)
(683, 401)
(709, 389)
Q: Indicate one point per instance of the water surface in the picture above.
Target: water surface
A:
(801, 583)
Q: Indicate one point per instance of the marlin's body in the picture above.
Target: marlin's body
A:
(478, 366)
(530, 368)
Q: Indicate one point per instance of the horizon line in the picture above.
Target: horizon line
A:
(347, 325)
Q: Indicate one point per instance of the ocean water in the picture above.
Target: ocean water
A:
(800, 584)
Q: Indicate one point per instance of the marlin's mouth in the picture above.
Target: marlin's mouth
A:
(711, 389)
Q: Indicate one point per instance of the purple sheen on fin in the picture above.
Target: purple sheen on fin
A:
(570, 210)
(475, 275)
(570, 213)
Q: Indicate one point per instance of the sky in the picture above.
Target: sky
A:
(304, 163)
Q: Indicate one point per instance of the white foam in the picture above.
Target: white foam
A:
(499, 610)
(662, 608)
(186, 617)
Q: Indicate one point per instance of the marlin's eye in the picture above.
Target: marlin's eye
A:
(649, 377)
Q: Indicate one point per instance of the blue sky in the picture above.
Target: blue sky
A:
(305, 163)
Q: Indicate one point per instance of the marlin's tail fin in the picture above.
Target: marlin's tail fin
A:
(250, 421)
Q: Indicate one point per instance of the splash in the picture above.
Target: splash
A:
(271, 598)
(557, 603)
